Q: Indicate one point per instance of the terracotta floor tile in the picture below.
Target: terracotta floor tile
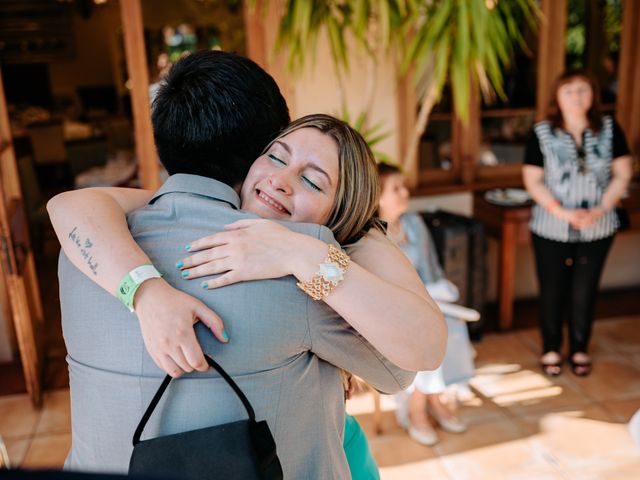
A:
(495, 381)
(396, 449)
(478, 436)
(582, 440)
(431, 469)
(17, 449)
(628, 471)
(542, 422)
(530, 338)
(56, 412)
(388, 424)
(17, 417)
(494, 451)
(500, 348)
(524, 390)
(480, 410)
(621, 410)
(562, 393)
(48, 451)
(613, 378)
(624, 333)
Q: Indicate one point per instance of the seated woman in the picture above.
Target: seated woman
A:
(317, 170)
(411, 234)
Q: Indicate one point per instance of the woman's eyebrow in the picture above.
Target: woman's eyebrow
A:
(284, 145)
(315, 167)
(311, 165)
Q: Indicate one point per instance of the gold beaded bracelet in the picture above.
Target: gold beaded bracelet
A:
(330, 274)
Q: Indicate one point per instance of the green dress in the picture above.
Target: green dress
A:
(361, 462)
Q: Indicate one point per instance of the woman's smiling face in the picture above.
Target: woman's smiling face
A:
(295, 180)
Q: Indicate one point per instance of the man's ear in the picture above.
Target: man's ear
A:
(238, 187)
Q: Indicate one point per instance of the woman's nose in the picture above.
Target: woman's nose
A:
(280, 181)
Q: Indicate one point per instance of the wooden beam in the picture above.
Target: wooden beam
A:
(551, 56)
(406, 108)
(628, 98)
(131, 12)
(466, 138)
(255, 34)
(262, 26)
(22, 285)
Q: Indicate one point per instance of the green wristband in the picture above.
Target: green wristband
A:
(131, 282)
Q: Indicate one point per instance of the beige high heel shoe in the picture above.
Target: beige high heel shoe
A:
(451, 425)
(423, 434)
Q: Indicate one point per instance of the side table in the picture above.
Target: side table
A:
(510, 226)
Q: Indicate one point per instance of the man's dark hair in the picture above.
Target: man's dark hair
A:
(214, 113)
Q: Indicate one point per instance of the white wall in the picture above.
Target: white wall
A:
(91, 64)
(316, 91)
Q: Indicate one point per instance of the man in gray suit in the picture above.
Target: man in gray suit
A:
(211, 119)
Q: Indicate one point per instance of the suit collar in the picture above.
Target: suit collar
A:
(198, 185)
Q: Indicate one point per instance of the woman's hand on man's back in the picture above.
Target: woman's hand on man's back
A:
(167, 317)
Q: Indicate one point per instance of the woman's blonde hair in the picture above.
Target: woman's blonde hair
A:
(355, 205)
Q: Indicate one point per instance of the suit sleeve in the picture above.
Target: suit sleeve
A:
(336, 342)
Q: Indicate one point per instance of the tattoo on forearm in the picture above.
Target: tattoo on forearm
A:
(85, 249)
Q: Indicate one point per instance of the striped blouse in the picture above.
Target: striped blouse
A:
(572, 185)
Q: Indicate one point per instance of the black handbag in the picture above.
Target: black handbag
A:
(239, 450)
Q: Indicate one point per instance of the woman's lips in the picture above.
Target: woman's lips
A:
(271, 203)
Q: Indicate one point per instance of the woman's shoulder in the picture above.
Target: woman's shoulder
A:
(372, 237)
(373, 243)
(543, 127)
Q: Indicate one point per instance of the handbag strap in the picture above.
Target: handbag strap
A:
(165, 383)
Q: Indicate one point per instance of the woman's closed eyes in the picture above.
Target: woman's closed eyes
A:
(308, 182)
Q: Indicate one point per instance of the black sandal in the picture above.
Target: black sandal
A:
(551, 369)
(580, 369)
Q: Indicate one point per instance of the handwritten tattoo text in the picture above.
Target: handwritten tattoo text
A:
(85, 249)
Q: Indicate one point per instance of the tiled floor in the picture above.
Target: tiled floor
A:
(522, 425)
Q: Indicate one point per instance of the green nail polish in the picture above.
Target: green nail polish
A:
(185, 274)
(204, 285)
(187, 247)
(179, 265)
(225, 336)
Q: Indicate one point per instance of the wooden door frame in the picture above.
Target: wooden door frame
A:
(138, 73)
(21, 279)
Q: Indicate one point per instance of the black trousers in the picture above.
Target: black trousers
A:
(568, 275)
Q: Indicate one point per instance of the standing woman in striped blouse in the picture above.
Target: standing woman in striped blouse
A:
(577, 166)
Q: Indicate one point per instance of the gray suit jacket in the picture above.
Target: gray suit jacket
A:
(285, 350)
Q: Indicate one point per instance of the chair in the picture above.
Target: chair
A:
(47, 142)
(119, 133)
(457, 365)
(34, 202)
(85, 154)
